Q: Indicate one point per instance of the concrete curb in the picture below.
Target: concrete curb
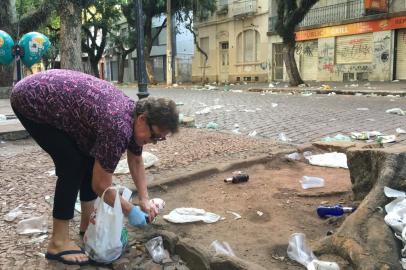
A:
(234, 165)
(197, 256)
(336, 91)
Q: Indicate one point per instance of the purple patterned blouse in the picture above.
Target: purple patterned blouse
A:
(92, 111)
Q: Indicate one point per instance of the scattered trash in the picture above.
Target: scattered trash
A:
(307, 94)
(13, 214)
(386, 139)
(311, 182)
(238, 177)
(157, 203)
(3, 117)
(252, 133)
(334, 160)
(236, 91)
(331, 94)
(156, 249)
(325, 87)
(302, 85)
(271, 85)
(51, 173)
(38, 239)
(274, 105)
(336, 138)
(236, 131)
(337, 210)
(395, 81)
(248, 110)
(180, 103)
(221, 248)
(360, 135)
(204, 111)
(212, 125)
(259, 213)
(354, 85)
(283, 138)
(300, 252)
(400, 131)
(307, 153)
(188, 121)
(185, 215)
(362, 109)
(398, 111)
(33, 225)
(148, 158)
(294, 156)
(395, 216)
(236, 215)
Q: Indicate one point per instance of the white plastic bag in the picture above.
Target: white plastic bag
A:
(103, 236)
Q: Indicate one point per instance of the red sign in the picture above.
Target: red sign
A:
(353, 28)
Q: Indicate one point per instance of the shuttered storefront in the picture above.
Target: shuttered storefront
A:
(354, 49)
(308, 54)
(401, 55)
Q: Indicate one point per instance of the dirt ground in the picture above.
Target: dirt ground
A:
(274, 190)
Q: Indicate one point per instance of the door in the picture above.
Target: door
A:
(277, 62)
(401, 55)
(308, 53)
(224, 62)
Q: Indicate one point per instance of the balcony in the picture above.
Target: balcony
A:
(329, 14)
(243, 8)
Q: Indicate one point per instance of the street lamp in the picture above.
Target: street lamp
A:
(142, 76)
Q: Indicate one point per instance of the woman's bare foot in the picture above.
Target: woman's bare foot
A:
(55, 247)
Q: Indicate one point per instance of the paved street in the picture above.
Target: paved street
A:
(302, 119)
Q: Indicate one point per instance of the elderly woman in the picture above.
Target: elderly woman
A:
(85, 124)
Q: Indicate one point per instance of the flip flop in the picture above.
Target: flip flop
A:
(58, 257)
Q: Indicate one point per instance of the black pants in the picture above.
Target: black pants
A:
(73, 167)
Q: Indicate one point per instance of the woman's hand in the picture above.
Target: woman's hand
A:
(148, 209)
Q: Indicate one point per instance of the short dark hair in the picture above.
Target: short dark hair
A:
(161, 112)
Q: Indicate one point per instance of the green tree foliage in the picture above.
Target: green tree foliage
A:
(290, 14)
(98, 20)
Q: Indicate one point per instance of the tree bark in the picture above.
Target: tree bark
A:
(148, 46)
(121, 59)
(364, 239)
(71, 52)
(290, 63)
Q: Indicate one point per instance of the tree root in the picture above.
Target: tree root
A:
(364, 240)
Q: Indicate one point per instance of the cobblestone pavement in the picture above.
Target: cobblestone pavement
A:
(302, 118)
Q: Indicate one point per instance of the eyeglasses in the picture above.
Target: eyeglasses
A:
(155, 137)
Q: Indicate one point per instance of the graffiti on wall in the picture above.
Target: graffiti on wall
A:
(306, 48)
(356, 55)
(354, 50)
(326, 56)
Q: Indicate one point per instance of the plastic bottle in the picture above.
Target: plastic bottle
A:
(238, 177)
(333, 210)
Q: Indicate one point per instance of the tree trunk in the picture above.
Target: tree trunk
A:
(121, 60)
(95, 68)
(364, 239)
(290, 63)
(71, 52)
(7, 9)
(148, 46)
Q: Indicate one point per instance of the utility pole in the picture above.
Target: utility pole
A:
(142, 75)
(169, 79)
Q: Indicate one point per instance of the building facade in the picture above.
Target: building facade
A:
(345, 40)
(235, 40)
(182, 51)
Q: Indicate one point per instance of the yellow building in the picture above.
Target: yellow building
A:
(236, 42)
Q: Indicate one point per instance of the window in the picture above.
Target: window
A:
(247, 46)
(204, 45)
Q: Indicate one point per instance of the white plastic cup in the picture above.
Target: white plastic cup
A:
(311, 182)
